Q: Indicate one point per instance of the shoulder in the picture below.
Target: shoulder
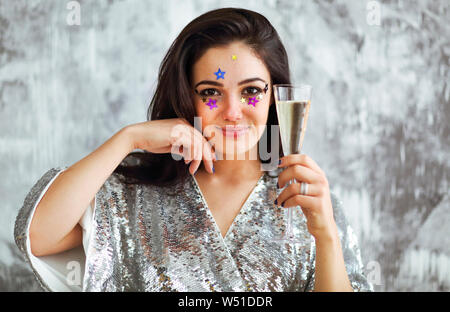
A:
(119, 185)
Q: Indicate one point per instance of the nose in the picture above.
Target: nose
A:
(233, 109)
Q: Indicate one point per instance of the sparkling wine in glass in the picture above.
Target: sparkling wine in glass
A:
(292, 105)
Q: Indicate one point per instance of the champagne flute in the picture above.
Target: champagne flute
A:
(292, 105)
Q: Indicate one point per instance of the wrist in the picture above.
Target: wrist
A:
(128, 136)
(330, 238)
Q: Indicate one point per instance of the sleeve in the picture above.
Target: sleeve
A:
(350, 250)
(59, 272)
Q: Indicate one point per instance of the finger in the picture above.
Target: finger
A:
(197, 150)
(295, 189)
(300, 159)
(200, 151)
(177, 148)
(187, 155)
(299, 173)
(194, 166)
(184, 140)
(207, 156)
(183, 143)
(207, 153)
(306, 202)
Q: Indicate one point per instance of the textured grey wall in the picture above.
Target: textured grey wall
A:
(379, 121)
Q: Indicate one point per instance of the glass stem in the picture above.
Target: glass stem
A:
(289, 232)
(290, 213)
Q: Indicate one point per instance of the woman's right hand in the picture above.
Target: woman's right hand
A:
(175, 136)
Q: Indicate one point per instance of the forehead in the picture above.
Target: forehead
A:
(245, 65)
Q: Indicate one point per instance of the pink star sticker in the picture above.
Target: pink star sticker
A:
(211, 103)
(252, 101)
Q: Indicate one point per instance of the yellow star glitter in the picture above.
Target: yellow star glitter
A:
(242, 100)
(234, 57)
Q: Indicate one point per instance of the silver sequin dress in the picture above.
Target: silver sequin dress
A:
(151, 238)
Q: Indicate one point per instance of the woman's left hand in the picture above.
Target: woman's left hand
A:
(316, 204)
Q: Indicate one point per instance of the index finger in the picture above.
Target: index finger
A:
(205, 149)
(300, 159)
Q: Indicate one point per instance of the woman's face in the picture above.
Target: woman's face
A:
(236, 98)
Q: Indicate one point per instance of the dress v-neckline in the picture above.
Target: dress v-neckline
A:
(236, 218)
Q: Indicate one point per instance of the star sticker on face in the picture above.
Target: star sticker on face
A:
(219, 74)
(242, 100)
(252, 101)
(234, 57)
(211, 103)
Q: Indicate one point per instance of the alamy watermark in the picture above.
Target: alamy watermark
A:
(183, 136)
(73, 278)
(74, 14)
(373, 272)
(373, 17)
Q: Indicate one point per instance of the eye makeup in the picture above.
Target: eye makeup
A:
(249, 95)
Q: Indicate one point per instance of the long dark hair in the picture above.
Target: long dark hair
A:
(214, 28)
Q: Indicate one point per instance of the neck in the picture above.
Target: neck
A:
(236, 170)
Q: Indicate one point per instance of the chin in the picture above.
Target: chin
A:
(236, 149)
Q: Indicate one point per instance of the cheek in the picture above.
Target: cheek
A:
(258, 115)
(201, 109)
(261, 112)
(205, 114)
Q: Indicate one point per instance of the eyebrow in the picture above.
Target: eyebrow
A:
(215, 83)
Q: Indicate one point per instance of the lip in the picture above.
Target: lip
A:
(234, 131)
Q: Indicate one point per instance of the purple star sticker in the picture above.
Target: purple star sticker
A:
(252, 101)
(211, 103)
(219, 74)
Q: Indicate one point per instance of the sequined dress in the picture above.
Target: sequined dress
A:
(155, 238)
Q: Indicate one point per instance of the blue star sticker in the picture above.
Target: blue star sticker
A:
(219, 74)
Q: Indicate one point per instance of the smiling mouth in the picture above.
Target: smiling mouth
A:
(234, 131)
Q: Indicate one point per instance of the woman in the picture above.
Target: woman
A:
(150, 222)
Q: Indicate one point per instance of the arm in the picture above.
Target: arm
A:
(337, 260)
(346, 245)
(330, 272)
(54, 227)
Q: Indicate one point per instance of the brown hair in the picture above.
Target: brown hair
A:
(211, 29)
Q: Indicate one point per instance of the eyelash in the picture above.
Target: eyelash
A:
(202, 93)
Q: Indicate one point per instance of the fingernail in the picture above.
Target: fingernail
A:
(279, 161)
(213, 169)
(282, 205)
(278, 186)
(276, 202)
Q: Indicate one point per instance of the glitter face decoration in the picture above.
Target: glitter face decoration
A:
(250, 95)
(211, 103)
(219, 74)
(252, 101)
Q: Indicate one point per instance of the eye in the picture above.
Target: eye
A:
(252, 91)
(209, 92)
